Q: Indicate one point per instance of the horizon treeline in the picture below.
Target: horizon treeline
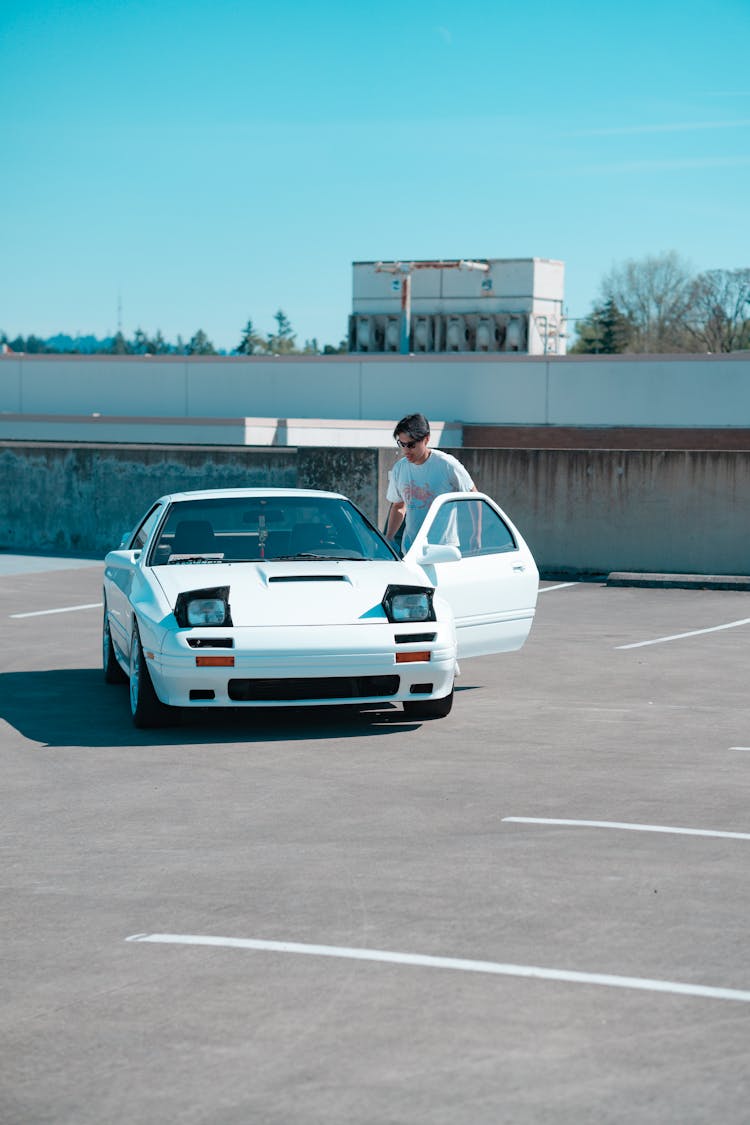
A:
(281, 342)
(656, 304)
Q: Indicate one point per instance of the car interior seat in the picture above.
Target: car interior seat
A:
(194, 537)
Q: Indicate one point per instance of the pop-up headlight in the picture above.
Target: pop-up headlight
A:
(203, 607)
(408, 603)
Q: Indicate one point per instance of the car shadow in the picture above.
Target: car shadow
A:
(74, 707)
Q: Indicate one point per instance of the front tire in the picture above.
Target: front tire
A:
(429, 708)
(146, 708)
(113, 673)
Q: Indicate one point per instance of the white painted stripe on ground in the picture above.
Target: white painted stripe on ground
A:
(41, 564)
(626, 827)
(64, 609)
(456, 963)
(694, 633)
(739, 747)
(560, 586)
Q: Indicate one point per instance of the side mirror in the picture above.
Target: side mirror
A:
(122, 557)
(439, 552)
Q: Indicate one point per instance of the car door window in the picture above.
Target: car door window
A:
(472, 526)
(139, 540)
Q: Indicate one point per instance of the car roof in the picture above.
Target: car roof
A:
(247, 493)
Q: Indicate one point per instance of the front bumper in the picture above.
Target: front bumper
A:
(305, 666)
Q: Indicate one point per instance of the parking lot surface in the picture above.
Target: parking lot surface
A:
(535, 910)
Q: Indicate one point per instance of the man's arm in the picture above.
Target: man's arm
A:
(395, 518)
(476, 521)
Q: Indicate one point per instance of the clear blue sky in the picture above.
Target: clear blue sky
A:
(208, 161)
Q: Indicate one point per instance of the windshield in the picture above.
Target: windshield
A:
(245, 529)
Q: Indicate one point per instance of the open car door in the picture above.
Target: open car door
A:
(479, 563)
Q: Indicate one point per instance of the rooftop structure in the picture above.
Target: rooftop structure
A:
(458, 305)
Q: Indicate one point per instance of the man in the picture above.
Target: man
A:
(418, 477)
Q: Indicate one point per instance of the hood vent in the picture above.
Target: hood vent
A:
(307, 578)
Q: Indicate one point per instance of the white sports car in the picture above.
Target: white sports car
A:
(249, 597)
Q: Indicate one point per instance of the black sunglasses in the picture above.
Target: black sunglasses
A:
(409, 444)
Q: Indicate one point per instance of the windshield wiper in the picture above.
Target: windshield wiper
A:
(316, 558)
(194, 559)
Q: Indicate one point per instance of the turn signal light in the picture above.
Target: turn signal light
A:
(214, 661)
(411, 657)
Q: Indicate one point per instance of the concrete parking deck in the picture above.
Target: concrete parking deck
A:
(533, 910)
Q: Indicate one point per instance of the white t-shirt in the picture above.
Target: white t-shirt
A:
(418, 485)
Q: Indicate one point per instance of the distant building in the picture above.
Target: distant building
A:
(461, 305)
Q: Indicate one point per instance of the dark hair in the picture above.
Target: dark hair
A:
(415, 425)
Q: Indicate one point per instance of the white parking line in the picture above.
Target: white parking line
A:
(41, 564)
(460, 964)
(694, 633)
(64, 609)
(626, 827)
(560, 586)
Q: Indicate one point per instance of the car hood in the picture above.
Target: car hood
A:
(293, 593)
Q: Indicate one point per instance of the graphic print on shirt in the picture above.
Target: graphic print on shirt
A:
(418, 497)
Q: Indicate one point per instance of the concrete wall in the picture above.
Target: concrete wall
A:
(703, 391)
(82, 498)
(595, 511)
(605, 437)
(582, 511)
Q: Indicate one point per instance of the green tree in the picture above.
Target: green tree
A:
(119, 345)
(141, 344)
(282, 342)
(330, 349)
(35, 345)
(200, 344)
(160, 345)
(604, 332)
(251, 342)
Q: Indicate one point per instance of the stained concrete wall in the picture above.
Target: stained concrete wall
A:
(582, 511)
(605, 437)
(83, 498)
(595, 511)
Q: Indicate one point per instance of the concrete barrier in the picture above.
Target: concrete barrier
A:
(83, 497)
(101, 428)
(582, 511)
(497, 390)
(596, 511)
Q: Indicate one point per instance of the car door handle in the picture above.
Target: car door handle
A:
(519, 568)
